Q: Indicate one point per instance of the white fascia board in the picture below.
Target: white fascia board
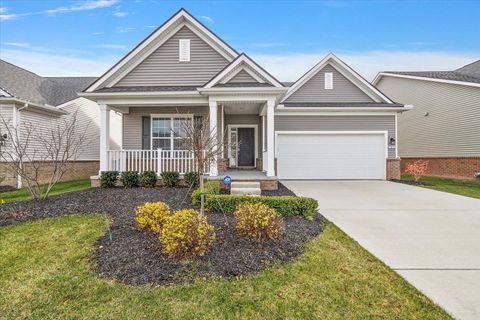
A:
(99, 95)
(248, 62)
(133, 102)
(230, 90)
(226, 51)
(347, 70)
(311, 110)
(30, 105)
(394, 75)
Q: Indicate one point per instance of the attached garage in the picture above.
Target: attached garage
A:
(331, 155)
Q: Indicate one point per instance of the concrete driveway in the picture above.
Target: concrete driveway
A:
(430, 238)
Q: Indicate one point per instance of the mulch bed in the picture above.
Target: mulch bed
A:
(412, 183)
(6, 188)
(282, 191)
(135, 256)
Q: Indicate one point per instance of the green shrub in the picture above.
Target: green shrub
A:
(258, 221)
(152, 215)
(148, 179)
(285, 206)
(211, 187)
(129, 179)
(108, 179)
(192, 178)
(170, 178)
(186, 234)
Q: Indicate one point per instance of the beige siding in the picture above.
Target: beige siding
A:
(452, 127)
(242, 76)
(32, 126)
(162, 67)
(338, 123)
(132, 122)
(343, 89)
(6, 117)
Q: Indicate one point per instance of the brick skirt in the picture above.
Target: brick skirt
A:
(456, 168)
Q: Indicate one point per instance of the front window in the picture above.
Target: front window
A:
(168, 132)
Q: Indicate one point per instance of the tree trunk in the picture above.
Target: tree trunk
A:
(202, 194)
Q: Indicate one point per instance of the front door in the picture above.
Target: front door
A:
(246, 147)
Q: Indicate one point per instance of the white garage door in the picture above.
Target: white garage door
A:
(331, 155)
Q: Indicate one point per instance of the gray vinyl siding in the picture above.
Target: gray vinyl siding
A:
(6, 118)
(32, 125)
(246, 119)
(338, 123)
(452, 127)
(162, 67)
(242, 76)
(132, 122)
(343, 89)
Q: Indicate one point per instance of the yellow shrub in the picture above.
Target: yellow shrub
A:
(186, 234)
(258, 221)
(152, 215)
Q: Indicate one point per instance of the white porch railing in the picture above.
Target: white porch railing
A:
(152, 160)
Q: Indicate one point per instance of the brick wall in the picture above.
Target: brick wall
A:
(456, 168)
(76, 170)
(393, 169)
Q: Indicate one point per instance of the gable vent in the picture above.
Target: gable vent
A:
(184, 50)
(328, 80)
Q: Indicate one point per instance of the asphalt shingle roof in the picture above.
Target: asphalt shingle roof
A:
(26, 85)
(468, 73)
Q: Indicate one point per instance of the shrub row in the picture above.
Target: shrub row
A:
(132, 179)
(284, 205)
(211, 188)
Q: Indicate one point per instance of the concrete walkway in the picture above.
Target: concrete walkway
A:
(430, 238)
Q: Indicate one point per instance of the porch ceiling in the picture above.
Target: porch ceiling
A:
(242, 107)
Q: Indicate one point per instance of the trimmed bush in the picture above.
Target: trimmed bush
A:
(285, 205)
(211, 187)
(192, 178)
(129, 179)
(186, 234)
(170, 178)
(108, 179)
(148, 179)
(152, 215)
(258, 221)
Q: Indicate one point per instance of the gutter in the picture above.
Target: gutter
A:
(282, 108)
(27, 104)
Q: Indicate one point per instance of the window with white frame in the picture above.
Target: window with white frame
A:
(168, 132)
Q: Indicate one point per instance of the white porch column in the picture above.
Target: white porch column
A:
(213, 131)
(104, 136)
(270, 137)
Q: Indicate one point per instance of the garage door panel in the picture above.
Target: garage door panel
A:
(331, 156)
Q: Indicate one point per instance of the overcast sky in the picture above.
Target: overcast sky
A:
(72, 38)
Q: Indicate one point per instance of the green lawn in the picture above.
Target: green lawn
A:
(59, 188)
(467, 188)
(44, 274)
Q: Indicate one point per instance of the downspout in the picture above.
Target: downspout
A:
(16, 125)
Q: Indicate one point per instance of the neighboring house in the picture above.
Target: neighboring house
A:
(27, 99)
(330, 124)
(444, 126)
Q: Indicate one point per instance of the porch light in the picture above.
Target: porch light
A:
(391, 142)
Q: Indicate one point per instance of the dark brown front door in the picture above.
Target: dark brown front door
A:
(246, 144)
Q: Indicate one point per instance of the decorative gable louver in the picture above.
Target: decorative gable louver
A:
(328, 80)
(184, 50)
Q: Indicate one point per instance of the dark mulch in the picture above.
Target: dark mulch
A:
(412, 183)
(6, 188)
(282, 191)
(135, 256)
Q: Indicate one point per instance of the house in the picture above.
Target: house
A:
(330, 124)
(444, 126)
(27, 99)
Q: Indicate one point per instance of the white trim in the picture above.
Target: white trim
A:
(229, 129)
(222, 123)
(327, 60)
(270, 138)
(202, 32)
(17, 136)
(264, 144)
(396, 136)
(248, 62)
(137, 94)
(185, 45)
(165, 115)
(328, 82)
(379, 76)
(365, 113)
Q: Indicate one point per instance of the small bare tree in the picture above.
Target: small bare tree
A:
(205, 144)
(39, 154)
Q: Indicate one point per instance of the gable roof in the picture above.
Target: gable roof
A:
(243, 63)
(155, 40)
(346, 71)
(467, 75)
(26, 85)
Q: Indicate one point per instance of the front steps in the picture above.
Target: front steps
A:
(245, 188)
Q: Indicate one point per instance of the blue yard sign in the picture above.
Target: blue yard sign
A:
(227, 180)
